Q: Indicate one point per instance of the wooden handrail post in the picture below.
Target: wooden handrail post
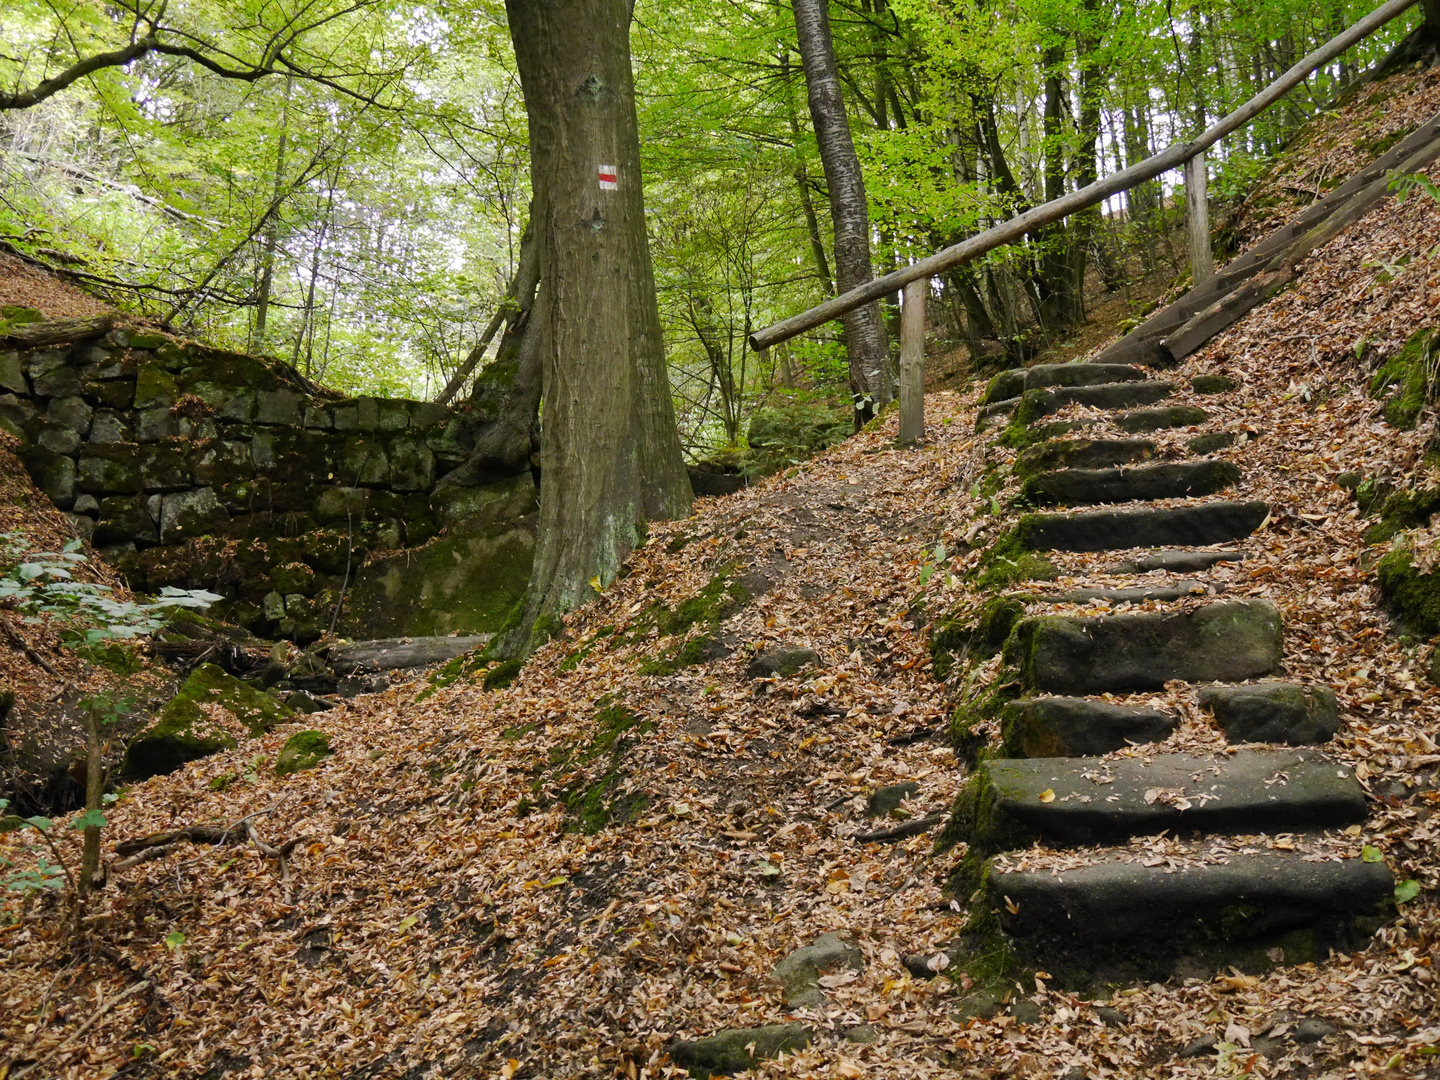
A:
(1197, 217)
(912, 362)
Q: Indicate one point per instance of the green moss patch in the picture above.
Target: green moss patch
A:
(1008, 561)
(502, 674)
(1412, 597)
(1400, 511)
(1406, 381)
(303, 750)
(187, 729)
(980, 636)
(600, 797)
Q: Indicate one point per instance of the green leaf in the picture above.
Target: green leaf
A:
(174, 939)
(408, 921)
(1406, 891)
(940, 552)
(41, 823)
(925, 572)
(90, 819)
(1372, 854)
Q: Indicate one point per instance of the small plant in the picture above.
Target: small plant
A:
(43, 583)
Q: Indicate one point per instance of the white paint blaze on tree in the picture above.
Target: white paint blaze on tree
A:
(610, 451)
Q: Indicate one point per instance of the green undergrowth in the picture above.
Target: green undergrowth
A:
(978, 636)
(1407, 381)
(721, 597)
(1008, 560)
(468, 666)
(591, 772)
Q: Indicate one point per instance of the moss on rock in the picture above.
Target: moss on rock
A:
(303, 750)
(1412, 597)
(1008, 560)
(188, 729)
(980, 636)
(1400, 510)
(1405, 380)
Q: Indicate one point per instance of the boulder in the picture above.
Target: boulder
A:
(208, 714)
(1276, 712)
(728, 1052)
(888, 798)
(799, 973)
(781, 661)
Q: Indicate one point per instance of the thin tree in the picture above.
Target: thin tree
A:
(610, 454)
(865, 339)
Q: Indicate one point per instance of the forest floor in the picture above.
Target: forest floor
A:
(445, 913)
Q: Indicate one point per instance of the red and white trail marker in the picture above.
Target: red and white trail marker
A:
(609, 178)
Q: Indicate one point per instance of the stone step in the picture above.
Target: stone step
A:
(1166, 480)
(1136, 595)
(1061, 801)
(1121, 920)
(1228, 641)
(1083, 454)
(1052, 727)
(1179, 562)
(1274, 712)
(1014, 382)
(1172, 416)
(1121, 395)
(1115, 530)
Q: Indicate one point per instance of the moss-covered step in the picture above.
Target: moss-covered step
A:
(1138, 594)
(1083, 454)
(1120, 920)
(1222, 642)
(1274, 712)
(1115, 530)
(1174, 561)
(211, 709)
(1035, 404)
(1014, 382)
(1172, 416)
(1015, 802)
(1166, 480)
(1047, 727)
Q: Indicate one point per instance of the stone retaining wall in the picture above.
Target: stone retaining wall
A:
(199, 468)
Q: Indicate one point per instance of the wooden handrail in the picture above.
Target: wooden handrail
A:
(1010, 231)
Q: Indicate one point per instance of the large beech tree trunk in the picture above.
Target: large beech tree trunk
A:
(865, 339)
(609, 449)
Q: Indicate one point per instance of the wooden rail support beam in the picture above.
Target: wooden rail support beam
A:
(912, 362)
(1197, 216)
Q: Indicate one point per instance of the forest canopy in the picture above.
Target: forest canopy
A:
(344, 183)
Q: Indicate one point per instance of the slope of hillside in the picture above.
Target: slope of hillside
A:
(561, 877)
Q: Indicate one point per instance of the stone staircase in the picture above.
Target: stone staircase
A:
(1062, 869)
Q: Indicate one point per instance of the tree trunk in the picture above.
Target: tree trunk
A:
(610, 450)
(865, 339)
(94, 792)
(272, 230)
(802, 185)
